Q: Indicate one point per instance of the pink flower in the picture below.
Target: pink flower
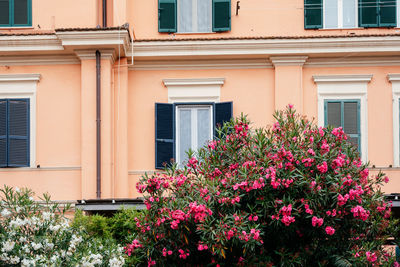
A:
(329, 230)
(317, 221)
(360, 212)
(371, 257)
(323, 167)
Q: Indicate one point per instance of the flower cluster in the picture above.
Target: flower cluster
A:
(290, 194)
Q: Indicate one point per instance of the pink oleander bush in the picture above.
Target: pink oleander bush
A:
(290, 195)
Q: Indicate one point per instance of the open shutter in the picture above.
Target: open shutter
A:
(368, 13)
(167, 16)
(387, 13)
(221, 11)
(165, 134)
(18, 132)
(222, 113)
(3, 133)
(312, 14)
(5, 8)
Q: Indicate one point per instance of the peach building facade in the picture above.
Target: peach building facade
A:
(167, 71)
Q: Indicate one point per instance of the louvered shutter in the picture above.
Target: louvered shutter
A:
(167, 16)
(312, 14)
(18, 132)
(387, 13)
(3, 133)
(221, 15)
(222, 113)
(333, 114)
(5, 12)
(165, 134)
(21, 12)
(368, 13)
(351, 121)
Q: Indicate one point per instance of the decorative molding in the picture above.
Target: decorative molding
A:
(394, 78)
(266, 47)
(40, 169)
(83, 54)
(38, 60)
(262, 63)
(17, 43)
(193, 82)
(19, 77)
(288, 61)
(342, 78)
(194, 90)
(352, 61)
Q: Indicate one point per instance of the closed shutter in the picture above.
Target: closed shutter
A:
(167, 15)
(18, 132)
(351, 121)
(333, 114)
(165, 134)
(21, 11)
(222, 113)
(368, 11)
(3, 133)
(5, 12)
(312, 14)
(221, 15)
(387, 13)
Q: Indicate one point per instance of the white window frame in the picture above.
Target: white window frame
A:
(195, 145)
(194, 17)
(340, 15)
(23, 86)
(395, 80)
(344, 87)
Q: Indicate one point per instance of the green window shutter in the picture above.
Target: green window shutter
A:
(312, 14)
(223, 112)
(221, 15)
(3, 132)
(387, 13)
(167, 16)
(368, 13)
(5, 8)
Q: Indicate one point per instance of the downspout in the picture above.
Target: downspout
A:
(104, 13)
(98, 125)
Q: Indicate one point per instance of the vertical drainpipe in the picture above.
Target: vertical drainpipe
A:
(104, 13)
(98, 125)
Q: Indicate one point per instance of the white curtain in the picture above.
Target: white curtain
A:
(194, 16)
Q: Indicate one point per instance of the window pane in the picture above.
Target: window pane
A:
(185, 133)
(334, 114)
(4, 12)
(185, 12)
(203, 126)
(331, 14)
(20, 11)
(350, 118)
(204, 15)
(349, 13)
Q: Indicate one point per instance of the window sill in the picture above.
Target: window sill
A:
(16, 27)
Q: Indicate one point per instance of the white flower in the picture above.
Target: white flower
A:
(17, 189)
(46, 215)
(116, 262)
(36, 246)
(14, 260)
(8, 246)
(5, 213)
(55, 228)
(31, 198)
(22, 239)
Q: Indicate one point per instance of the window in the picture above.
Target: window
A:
(194, 16)
(182, 126)
(194, 129)
(15, 13)
(342, 101)
(332, 14)
(14, 132)
(345, 114)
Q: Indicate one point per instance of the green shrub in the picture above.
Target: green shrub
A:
(123, 225)
(291, 195)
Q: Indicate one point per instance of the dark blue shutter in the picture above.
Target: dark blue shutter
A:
(18, 132)
(5, 8)
(165, 134)
(3, 133)
(167, 16)
(221, 15)
(312, 14)
(222, 113)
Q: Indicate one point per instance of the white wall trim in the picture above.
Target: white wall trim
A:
(345, 87)
(395, 80)
(288, 61)
(83, 54)
(38, 60)
(194, 90)
(23, 86)
(352, 61)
